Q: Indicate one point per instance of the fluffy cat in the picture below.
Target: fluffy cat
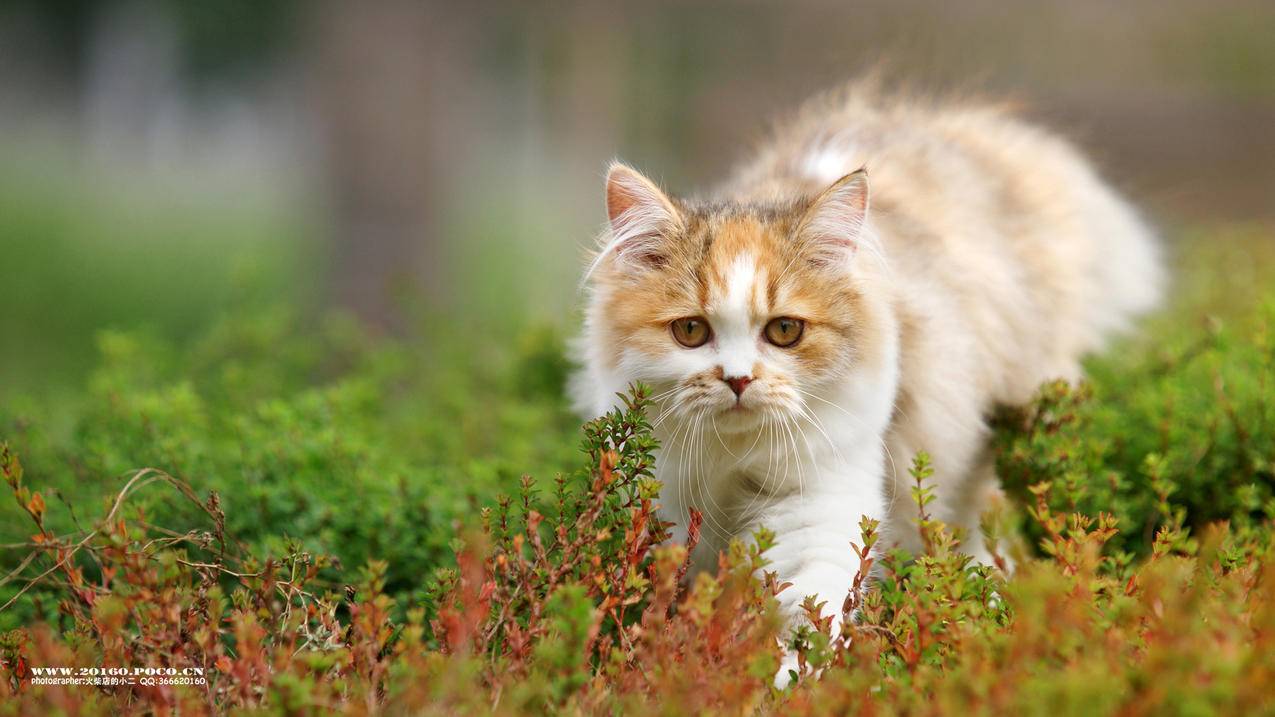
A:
(804, 347)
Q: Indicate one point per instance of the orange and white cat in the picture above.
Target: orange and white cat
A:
(808, 328)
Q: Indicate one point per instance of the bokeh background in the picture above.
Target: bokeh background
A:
(164, 162)
(321, 258)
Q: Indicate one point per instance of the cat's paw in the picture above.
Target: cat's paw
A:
(1000, 560)
(789, 669)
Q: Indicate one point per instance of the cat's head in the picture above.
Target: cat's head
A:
(735, 311)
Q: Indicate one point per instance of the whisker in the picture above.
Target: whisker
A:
(663, 394)
(749, 452)
(817, 397)
(894, 468)
(663, 415)
(818, 424)
(747, 512)
(721, 442)
(710, 505)
(678, 467)
(814, 463)
(792, 441)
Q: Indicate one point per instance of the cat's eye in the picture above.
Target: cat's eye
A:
(784, 331)
(691, 331)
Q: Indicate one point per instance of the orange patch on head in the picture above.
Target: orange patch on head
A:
(708, 260)
(747, 243)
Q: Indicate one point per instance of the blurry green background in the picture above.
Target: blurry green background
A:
(164, 161)
(322, 256)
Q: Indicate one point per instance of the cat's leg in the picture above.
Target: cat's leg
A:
(971, 497)
(994, 500)
(952, 431)
(814, 528)
(961, 507)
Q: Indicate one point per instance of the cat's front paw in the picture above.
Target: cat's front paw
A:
(790, 667)
(789, 670)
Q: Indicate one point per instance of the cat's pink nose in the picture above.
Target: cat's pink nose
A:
(738, 384)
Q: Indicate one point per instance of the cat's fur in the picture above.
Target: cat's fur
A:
(991, 259)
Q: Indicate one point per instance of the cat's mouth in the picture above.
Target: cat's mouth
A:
(737, 418)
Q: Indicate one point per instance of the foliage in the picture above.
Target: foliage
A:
(1178, 437)
(1139, 529)
(318, 435)
(581, 611)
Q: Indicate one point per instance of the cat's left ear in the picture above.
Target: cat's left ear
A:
(832, 226)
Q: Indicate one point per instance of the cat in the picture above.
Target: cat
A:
(873, 282)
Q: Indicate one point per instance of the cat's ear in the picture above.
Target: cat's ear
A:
(832, 226)
(641, 216)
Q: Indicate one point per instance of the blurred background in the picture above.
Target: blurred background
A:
(164, 162)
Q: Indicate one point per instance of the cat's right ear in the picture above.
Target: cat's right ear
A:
(641, 216)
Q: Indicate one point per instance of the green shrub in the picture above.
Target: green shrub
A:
(352, 448)
(1177, 432)
(291, 456)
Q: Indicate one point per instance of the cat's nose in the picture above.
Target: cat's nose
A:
(738, 384)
